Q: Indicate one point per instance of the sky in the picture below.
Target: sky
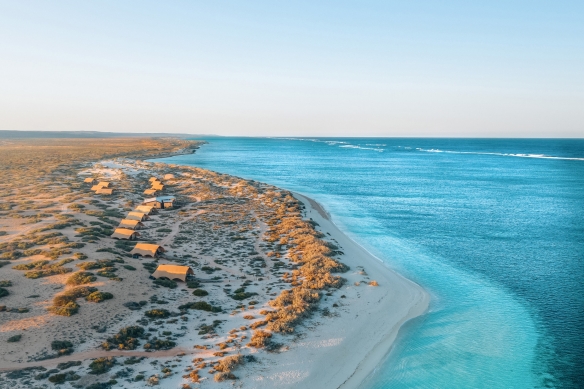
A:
(294, 68)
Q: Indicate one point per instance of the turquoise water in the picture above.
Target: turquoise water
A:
(493, 229)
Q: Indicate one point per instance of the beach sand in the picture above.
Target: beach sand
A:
(339, 352)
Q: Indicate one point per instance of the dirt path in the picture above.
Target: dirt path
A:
(102, 353)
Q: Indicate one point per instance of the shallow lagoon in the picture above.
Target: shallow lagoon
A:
(493, 229)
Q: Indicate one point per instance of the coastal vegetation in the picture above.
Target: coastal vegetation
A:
(255, 256)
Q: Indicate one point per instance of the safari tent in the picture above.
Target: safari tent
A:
(173, 272)
(95, 187)
(149, 192)
(104, 184)
(147, 209)
(157, 186)
(169, 176)
(133, 215)
(147, 250)
(89, 180)
(105, 191)
(125, 233)
(151, 179)
(131, 224)
(161, 202)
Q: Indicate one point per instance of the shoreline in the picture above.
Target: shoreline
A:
(337, 342)
(410, 299)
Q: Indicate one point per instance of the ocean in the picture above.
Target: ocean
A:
(493, 229)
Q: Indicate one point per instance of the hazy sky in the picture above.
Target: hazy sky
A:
(294, 68)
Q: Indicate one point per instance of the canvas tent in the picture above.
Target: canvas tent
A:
(169, 176)
(147, 209)
(157, 186)
(105, 191)
(173, 272)
(104, 184)
(160, 202)
(136, 216)
(147, 250)
(131, 224)
(153, 179)
(149, 192)
(124, 233)
(89, 180)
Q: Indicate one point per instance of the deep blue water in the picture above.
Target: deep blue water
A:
(493, 229)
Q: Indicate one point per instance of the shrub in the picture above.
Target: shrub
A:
(242, 295)
(200, 292)
(219, 377)
(227, 364)
(5, 284)
(14, 338)
(98, 297)
(201, 306)
(128, 267)
(193, 284)
(194, 376)
(166, 283)
(65, 305)
(101, 365)
(4, 292)
(81, 278)
(157, 313)
(68, 309)
(159, 344)
(63, 347)
(126, 339)
(259, 339)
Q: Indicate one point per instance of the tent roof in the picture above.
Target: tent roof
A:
(104, 191)
(130, 223)
(173, 272)
(149, 191)
(147, 249)
(139, 215)
(123, 233)
(147, 209)
(89, 179)
(104, 184)
(157, 186)
(153, 179)
(168, 176)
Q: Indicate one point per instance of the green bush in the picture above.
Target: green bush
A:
(14, 338)
(68, 309)
(101, 365)
(126, 339)
(81, 278)
(201, 306)
(166, 283)
(159, 344)
(157, 313)
(200, 292)
(4, 292)
(5, 284)
(193, 284)
(128, 267)
(62, 346)
(98, 297)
